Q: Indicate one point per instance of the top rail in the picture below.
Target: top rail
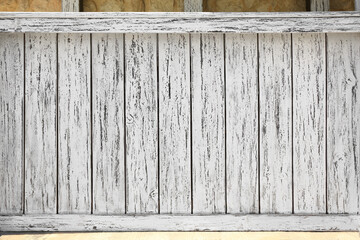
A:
(180, 22)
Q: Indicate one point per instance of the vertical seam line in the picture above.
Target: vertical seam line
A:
(225, 120)
(24, 125)
(258, 123)
(91, 132)
(158, 117)
(124, 107)
(191, 130)
(57, 123)
(326, 123)
(292, 124)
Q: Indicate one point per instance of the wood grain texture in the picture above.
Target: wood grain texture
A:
(193, 6)
(74, 125)
(242, 123)
(70, 5)
(275, 123)
(141, 123)
(161, 222)
(309, 77)
(208, 123)
(320, 5)
(108, 123)
(40, 122)
(342, 5)
(254, 5)
(181, 22)
(11, 122)
(30, 6)
(343, 117)
(133, 5)
(174, 123)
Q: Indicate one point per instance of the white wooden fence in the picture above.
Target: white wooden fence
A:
(107, 117)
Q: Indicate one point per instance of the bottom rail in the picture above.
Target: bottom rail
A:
(225, 222)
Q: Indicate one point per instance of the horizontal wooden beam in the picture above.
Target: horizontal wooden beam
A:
(179, 223)
(180, 22)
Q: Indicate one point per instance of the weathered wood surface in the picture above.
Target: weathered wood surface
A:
(180, 22)
(108, 126)
(309, 96)
(319, 5)
(241, 123)
(357, 5)
(141, 123)
(193, 6)
(208, 123)
(40, 122)
(11, 122)
(343, 123)
(70, 5)
(275, 123)
(197, 123)
(74, 126)
(162, 222)
(174, 123)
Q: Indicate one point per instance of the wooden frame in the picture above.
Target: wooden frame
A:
(277, 37)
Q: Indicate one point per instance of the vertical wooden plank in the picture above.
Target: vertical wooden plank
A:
(309, 123)
(320, 5)
(74, 123)
(141, 123)
(242, 123)
(208, 123)
(275, 123)
(11, 122)
(193, 5)
(343, 139)
(40, 123)
(70, 5)
(174, 120)
(108, 123)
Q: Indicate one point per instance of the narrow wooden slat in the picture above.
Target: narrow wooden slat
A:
(208, 123)
(343, 117)
(174, 123)
(309, 122)
(74, 123)
(141, 123)
(70, 5)
(11, 122)
(320, 5)
(193, 5)
(40, 122)
(275, 123)
(161, 222)
(357, 5)
(180, 22)
(242, 123)
(108, 123)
